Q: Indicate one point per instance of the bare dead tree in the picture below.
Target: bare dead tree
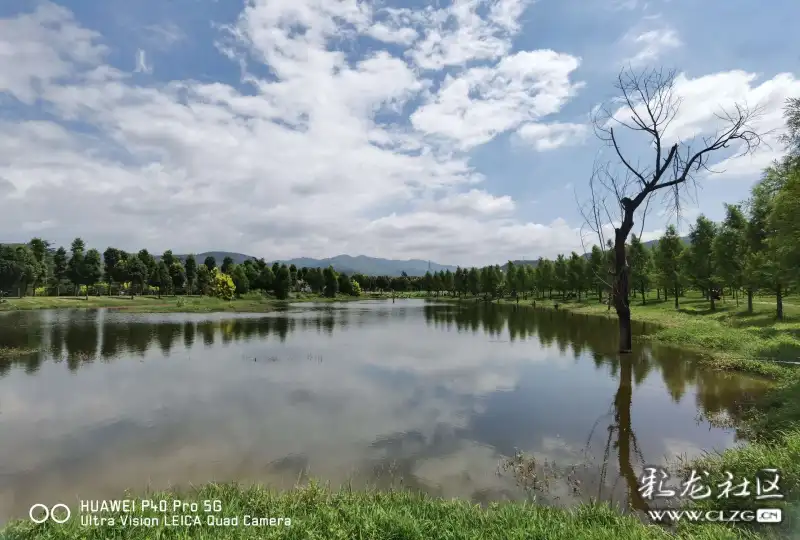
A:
(622, 189)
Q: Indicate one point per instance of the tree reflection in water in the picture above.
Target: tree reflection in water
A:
(81, 337)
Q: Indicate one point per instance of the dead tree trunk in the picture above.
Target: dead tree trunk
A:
(622, 303)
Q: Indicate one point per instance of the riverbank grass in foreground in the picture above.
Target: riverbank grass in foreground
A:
(320, 513)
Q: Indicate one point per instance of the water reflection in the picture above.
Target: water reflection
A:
(431, 395)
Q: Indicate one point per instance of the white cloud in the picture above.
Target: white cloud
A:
(458, 34)
(39, 48)
(473, 108)
(402, 36)
(315, 159)
(477, 202)
(300, 165)
(545, 137)
(651, 45)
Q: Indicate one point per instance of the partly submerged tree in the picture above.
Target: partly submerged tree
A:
(647, 108)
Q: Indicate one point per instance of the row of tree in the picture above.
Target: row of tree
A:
(36, 268)
(755, 249)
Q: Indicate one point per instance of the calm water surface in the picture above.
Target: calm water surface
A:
(417, 394)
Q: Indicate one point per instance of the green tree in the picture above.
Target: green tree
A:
(437, 282)
(547, 276)
(240, 280)
(560, 274)
(345, 285)
(474, 281)
(75, 265)
(251, 272)
(110, 259)
(598, 271)
(11, 270)
(222, 285)
(177, 275)
(152, 267)
(282, 284)
(168, 258)
(764, 269)
(331, 282)
(210, 262)
(701, 267)
(511, 278)
(266, 279)
(356, 288)
(227, 265)
(137, 273)
(641, 267)
(668, 261)
(576, 272)
(60, 268)
(427, 282)
(784, 219)
(293, 276)
(161, 278)
(40, 249)
(382, 282)
(448, 282)
(730, 249)
(204, 279)
(30, 268)
(92, 269)
(191, 272)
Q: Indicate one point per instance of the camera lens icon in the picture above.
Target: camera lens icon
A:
(39, 513)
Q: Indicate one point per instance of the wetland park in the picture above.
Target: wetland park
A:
(648, 341)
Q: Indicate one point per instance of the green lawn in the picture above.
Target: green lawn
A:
(249, 303)
(321, 514)
(148, 304)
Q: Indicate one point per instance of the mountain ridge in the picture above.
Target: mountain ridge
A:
(350, 264)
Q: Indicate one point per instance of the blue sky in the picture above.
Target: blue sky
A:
(453, 131)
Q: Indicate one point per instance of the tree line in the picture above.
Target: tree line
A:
(755, 249)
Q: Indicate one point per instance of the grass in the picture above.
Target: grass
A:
(320, 513)
(248, 303)
(10, 352)
(149, 304)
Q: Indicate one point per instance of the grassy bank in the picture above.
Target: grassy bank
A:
(250, 303)
(728, 338)
(142, 304)
(319, 513)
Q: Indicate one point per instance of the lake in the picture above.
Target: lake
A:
(417, 394)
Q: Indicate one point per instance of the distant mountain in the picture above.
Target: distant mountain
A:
(341, 263)
(652, 243)
(238, 258)
(372, 266)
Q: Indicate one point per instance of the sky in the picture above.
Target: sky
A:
(457, 131)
